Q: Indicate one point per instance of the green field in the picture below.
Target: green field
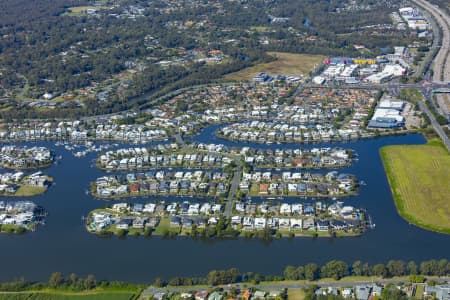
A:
(27, 190)
(286, 63)
(295, 294)
(419, 178)
(77, 11)
(64, 296)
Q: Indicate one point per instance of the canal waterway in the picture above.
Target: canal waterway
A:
(64, 245)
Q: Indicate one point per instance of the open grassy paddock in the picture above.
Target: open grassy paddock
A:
(30, 191)
(295, 294)
(286, 63)
(76, 11)
(419, 178)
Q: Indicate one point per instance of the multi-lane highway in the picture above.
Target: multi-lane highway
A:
(441, 70)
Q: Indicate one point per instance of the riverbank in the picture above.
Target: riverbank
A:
(419, 177)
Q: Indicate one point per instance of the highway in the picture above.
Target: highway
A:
(442, 61)
(434, 123)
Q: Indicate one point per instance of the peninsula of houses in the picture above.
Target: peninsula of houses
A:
(265, 220)
(200, 155)
(21, 184)
(20, 216)
(23, 157)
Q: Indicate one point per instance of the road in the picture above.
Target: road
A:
(434, 123)
(442, 60)
(232, 193)
(276, 286)
(179, 139)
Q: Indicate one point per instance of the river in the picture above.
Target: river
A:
(64, 245)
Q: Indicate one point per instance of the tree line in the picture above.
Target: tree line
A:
(335, 269)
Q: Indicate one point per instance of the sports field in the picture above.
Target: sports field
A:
(419, 176)
(286, 63)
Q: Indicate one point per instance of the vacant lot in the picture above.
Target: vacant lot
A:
(81, 10)
(286, 63)
(56, 296)
(26, 190)
(296, 294)
(419, 177)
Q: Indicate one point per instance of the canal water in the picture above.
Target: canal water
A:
(64, 245)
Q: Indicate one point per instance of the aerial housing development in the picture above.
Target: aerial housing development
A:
(286, 149)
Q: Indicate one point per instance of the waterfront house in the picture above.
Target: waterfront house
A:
(175, 221)
(124, 224)
(322, 225)
(186, 222)
(139, 223)
(308, 224)
(248, 223)
(284, 223)
(263, 189)
(236, 220)
(260, 223)
(296, 224)
(201, 295)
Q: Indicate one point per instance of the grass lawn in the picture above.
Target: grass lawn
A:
(419, 292)
(286, 63)
(295, 294)
(419, 178)
(27, 190)
(164, 226)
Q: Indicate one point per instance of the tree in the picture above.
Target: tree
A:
(224, 277)
(73, 278)
(290, 273)
(335, 269)
(396, 268)
(121, 233)
(429, 267)
(392, 293)
(311, 272)
(357, 268)
(443, 267)
(412, 268)
(366, 270)
(56, 279)
(90, 282)
(158, 282)
(380, 270)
